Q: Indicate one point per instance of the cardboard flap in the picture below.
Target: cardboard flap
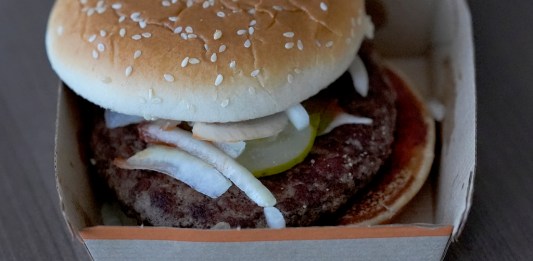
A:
(440, 32)
(72, 180)
(454, 86)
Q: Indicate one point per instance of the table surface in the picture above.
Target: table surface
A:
(499, 227)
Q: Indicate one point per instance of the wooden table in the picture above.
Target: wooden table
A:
(500, 225)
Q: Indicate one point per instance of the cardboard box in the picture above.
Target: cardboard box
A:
(431, 41)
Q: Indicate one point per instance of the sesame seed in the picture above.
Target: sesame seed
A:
(137, 54)
(122, 32)
(300, 45)
(184, 36)
(289, 45)
(194, 61)
(92, 38)
(205, 4)
(288, 34)
(217, 35)
(142, 24)
(253, 22)
(121, 19)
(192, 36)
(206, 47)
(184, 62)
(221, 14)
(251, 30)
(116, 6)
(136, 37)
(232, 64)
(214, 57)
(241, 32)
(251, 11)
(224, 103)
(103, 33)
(290, 78)
(101, 47)
(178, 30)
(318, 44)
(173, 18)
(95, 54)
(168, 77)
(135, 16)
(222, 48)
(146, 35)
(128, 71)
(100, 9)
(90, 11)
(329, 44)
(188, 29)
(247, 43)
(277, 8)
(165, 3)
(190, 3)
(323, 6)
(255, 73)
(219, 80)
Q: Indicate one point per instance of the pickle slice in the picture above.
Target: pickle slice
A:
(273, 155)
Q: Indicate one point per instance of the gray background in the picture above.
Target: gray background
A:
(500, 225)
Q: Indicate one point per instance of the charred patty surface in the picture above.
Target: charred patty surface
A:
(340, 164)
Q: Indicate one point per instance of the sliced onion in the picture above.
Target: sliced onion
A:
(192, 171)
(274, 218)
(243, 130)
(233, 149)
(298, 116)
(437, 109)
(239, 175)
(359, 76)
(342, 119)
(115, 119)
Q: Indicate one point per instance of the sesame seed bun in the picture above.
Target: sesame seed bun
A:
(205, 61)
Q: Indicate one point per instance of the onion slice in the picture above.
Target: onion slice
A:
(298, 116)
(359, 76)
(239, 175)
(274, 218)
(342, 119)
(192, 171)
(233, 149)
(243, 130)
(116, 120)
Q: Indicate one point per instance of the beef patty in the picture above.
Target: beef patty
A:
(341, 163)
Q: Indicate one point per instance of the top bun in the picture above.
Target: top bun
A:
(204, 61)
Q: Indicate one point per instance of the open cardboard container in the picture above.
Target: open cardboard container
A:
(431, 42)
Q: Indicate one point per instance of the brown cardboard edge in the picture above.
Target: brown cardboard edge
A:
(470, 188)
(261, 235)
(59, 106)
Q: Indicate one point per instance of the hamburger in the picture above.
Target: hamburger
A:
(242, 113)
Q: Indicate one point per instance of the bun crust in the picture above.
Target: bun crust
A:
(205, 61)
(410, 161)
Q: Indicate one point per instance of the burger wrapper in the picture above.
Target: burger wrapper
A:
(431, 42)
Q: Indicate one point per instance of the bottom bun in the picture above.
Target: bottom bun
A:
(409, 164)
